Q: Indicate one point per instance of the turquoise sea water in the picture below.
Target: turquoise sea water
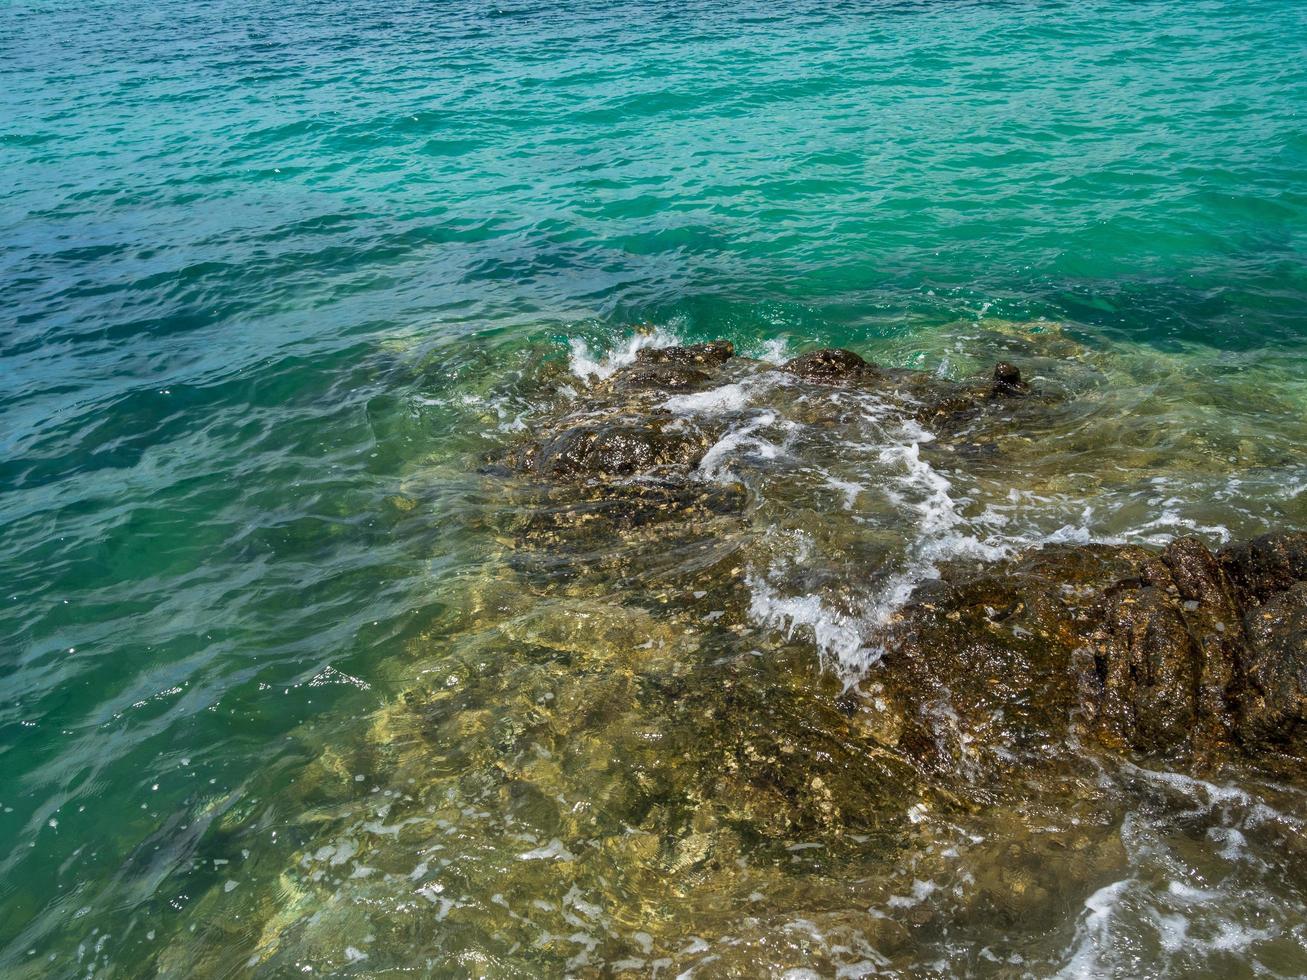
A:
(273, 276)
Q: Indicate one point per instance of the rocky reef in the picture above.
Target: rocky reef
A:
(620, 754)
(1170, 651)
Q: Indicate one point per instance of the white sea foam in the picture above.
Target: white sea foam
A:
(555, 850)
(849, 488)
(774, 351)
(885, 475)
(891, 466)
(1204, 912)
(1093, 934)
(741, 440)
(586, 366)
(727, 398)
(921, 890)
(1239, 809)
(920, 493)
(1189, 926)
(838, 637)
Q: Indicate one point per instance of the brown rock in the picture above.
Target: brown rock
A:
(617, 447)
(1007, 381)
(669, 375)
(1162, 653)
(831, 364)
(1273, 706)
(1148, 665)
(716, 352)
(1264, 566)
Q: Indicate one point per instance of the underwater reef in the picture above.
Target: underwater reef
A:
(739, 668)
(1177, 650)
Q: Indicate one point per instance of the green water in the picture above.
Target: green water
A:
(275, 278)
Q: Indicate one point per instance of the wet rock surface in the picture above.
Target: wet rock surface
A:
(1152, 652)
(1273, 699)
(665, 376)
(616, 447)
(712, 353)
(1266, 566)
(1007, 381)
(830, 365)
(624, 426)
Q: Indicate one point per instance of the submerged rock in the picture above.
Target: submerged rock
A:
(616, 447)
(603, 747)
(1171, 653)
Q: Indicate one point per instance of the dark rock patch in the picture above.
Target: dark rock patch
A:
(1264, 566)
(658, 375)
(619, 447)
(1158, 653)
(714, 353)
(831, 364)
(1273, 706)
(1147, 667)
(1007, 381)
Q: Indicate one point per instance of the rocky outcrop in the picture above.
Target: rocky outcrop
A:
(659, 376)
(1175, 652)
(1273, 705)
(714, 353)
(1007, 381)
(829, 365)
(622, 428)
(1182, 652)
(1266, 566)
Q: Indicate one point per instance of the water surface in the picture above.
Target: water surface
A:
(276, 277)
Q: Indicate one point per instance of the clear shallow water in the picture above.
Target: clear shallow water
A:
(275, 276)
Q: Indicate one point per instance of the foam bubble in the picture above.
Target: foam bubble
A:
(727, 398)
(586, 366)
(1093, 933)
(774, 351)
(838, 637)
(716, 463)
